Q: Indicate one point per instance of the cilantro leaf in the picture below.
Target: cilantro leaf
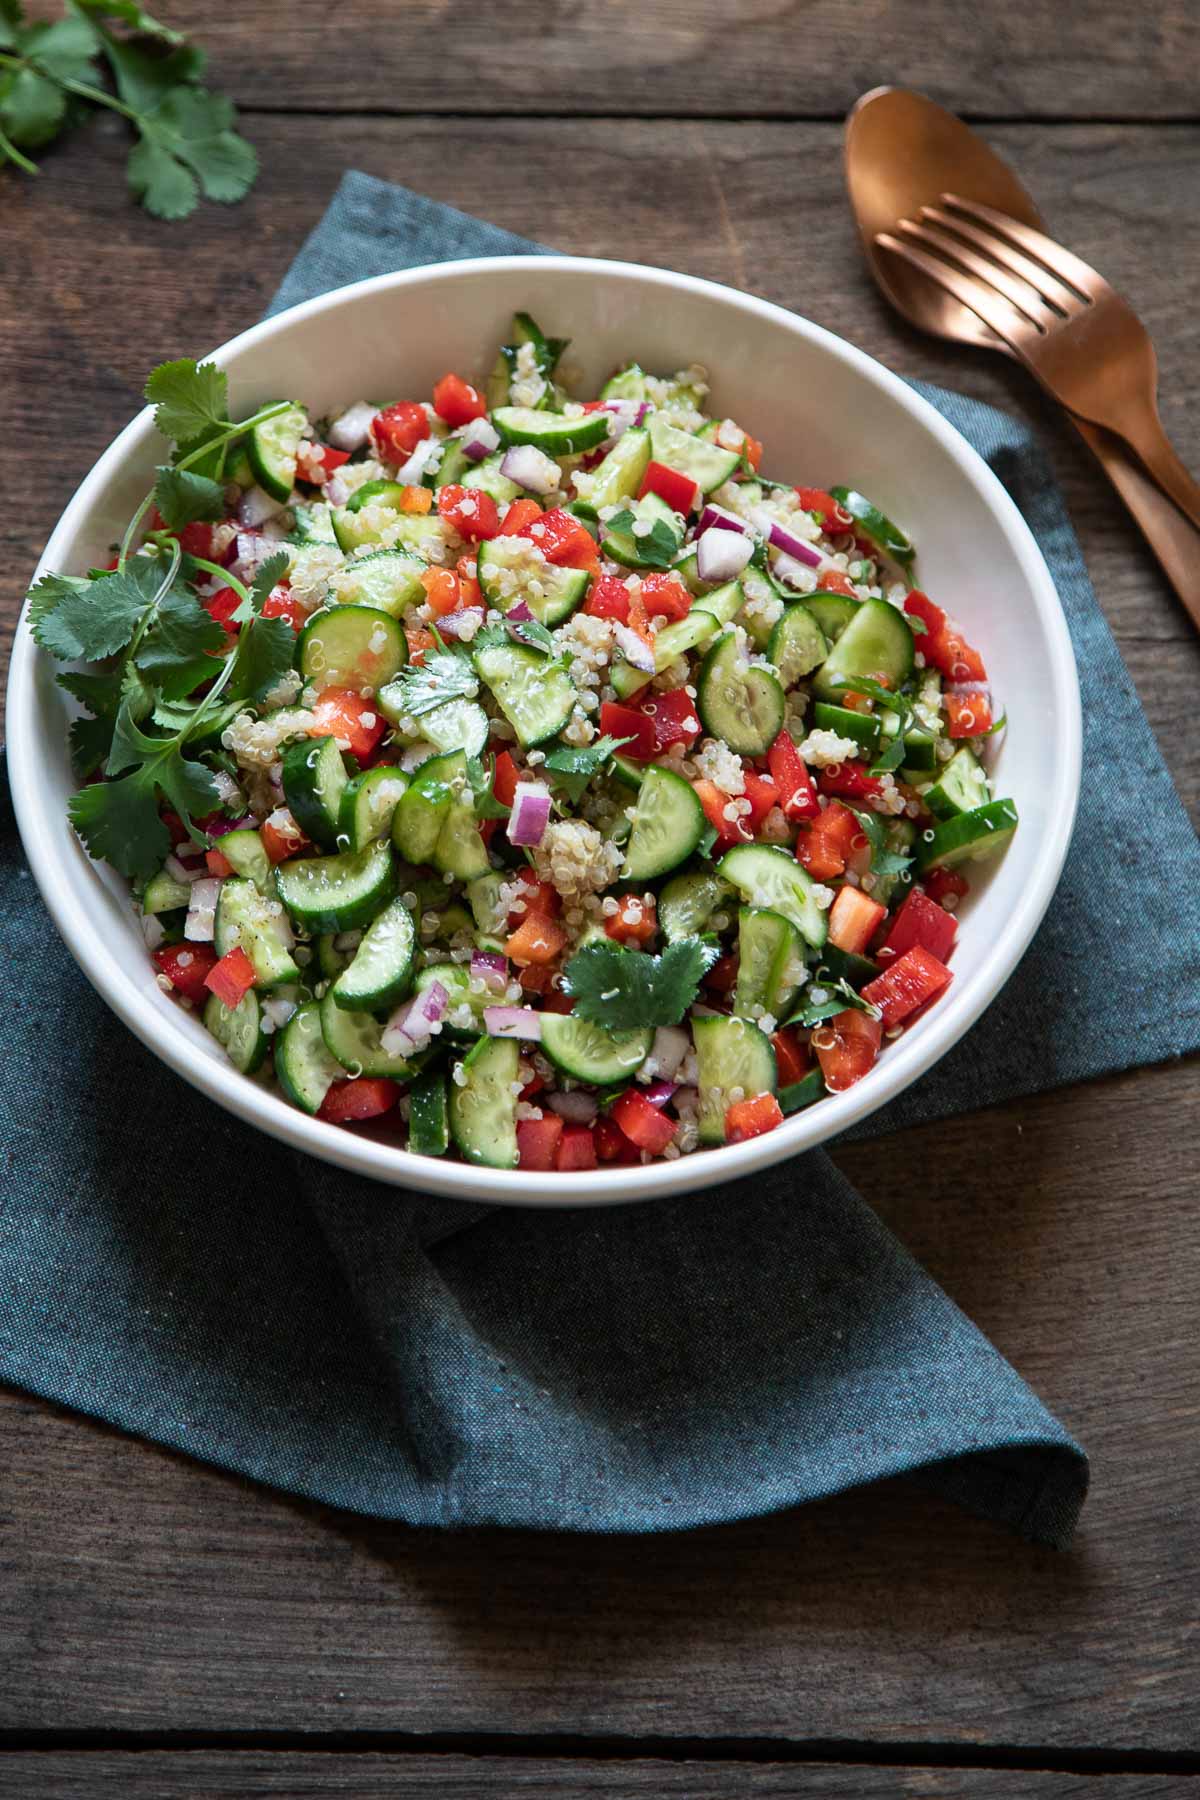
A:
(444, 675)
(32, 109)
(129, 14)
(45, 595)
(177, 652)
(657, 549)
(483, 796)
(90, 741)
(533, 633)
(267, 577)
(101, 694)
(574, 765)
(182, 497)
(188, 398)
(196, 127)
(265, 652)
(825, 999)
(628, 989)
(884, 861)
(119, 820)
(97, 618)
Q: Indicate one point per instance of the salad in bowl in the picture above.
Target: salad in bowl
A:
(525, 776)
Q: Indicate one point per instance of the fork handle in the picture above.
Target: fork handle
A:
(1152, 445)
(1173, 539)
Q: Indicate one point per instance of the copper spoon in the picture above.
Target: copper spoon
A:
(904, 151)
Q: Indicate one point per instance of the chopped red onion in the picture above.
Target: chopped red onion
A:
(626, 414)
(479, 439)
(152, 930)
(671, 1044)
(659, 1092)
(461, 624)
(791, 545)
(220, 827)
(520, 614)
(254, 548)
(352, 428)
(413, 1024)
(796, 574)
(963, 688)
(202, 911)
(634, 647)
(530, 813)
(257, 506)
(531, 469)
(491, 968)
(426, 456)
(721, 555)
(576, 1107)
(513, 1022)
(724, 521)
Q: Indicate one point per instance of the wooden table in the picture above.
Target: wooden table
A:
(168, 1630)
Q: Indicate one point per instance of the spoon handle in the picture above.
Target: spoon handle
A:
(1174, 540)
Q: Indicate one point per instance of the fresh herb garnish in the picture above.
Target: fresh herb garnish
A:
(656, 548)
(835, 997)
(626, 990)
(574, 765)
(186, 142)
(444, 675)
(892, 755)
(884, 861)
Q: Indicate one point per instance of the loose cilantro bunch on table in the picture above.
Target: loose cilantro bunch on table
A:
(51, 73)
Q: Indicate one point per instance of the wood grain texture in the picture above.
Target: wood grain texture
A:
(225, 1775)
(143, 1593)
(80, 333)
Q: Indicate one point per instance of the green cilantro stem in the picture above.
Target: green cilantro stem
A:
(9, 149)
(86, 91)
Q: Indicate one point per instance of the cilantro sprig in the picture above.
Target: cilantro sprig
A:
(186, 143)
(629, 989)
(656, 548)
(826, 998)
(444, 675)
(893, 755)
(884, 861)
(574, 765)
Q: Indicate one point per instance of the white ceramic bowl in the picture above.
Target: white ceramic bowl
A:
(827, 414)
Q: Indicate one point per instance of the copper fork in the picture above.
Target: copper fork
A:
(1075, 333)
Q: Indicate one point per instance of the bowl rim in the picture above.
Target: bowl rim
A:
(106, 969)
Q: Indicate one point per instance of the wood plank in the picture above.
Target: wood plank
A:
(145, 1593)
(789, 58)
(252, 1775)
(1122, 194)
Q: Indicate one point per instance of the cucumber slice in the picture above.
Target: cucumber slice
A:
(163, 893)
(875, 526)
(424, 808)
(766, 876)
(314, 777)
(487, 478)
(619, 476)
(770, 963)
(878, 643)
(797, 644)
(483, 897)
(969, 837)
(833, 612)
(337, 893)
(460, 851)
(552, 432)
(272, 448)
(739, 701)
(313, 524)
(429, 1117)
(667, 825)
(384, 492)
(382, 967)
(629, 773)
(688, 902)
(238, 1030)
(730, 1053)
(962, 786)
(862, 727)
(590, 1053)
(351, 647)
(624, 546)
(920, 754)
(707, 464)
(512, 569)
(536, 698)
(330, 960)
(458, 725)
(802, 1093)
(845, 965)
(368, 805)
(456, 979)
(244, 850)
(407, 531)
(710, 611)
(899, 835)
(626, 384)
(249, 921)
(546, 352)
(483, 1110)
(304, 1066)
(388, 579)
(355, 1039)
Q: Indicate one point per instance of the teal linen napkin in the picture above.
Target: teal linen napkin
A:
(640, 1369)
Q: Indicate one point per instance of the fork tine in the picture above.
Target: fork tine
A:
(1060, 261)
(1039, 279)
(983, 301)
(1026, 300)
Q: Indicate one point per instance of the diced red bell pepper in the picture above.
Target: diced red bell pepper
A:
(634, 922)
(722, 977)
(624, 722)
(221, 606)
(714, 800)
(919, 921)
(176, 827)
(473, 514)
(791, 1058)
(519, 516)
(281, 837)
(279, 604)
(536, 940)
(665, 597)
(852, 779)
(232, 978)
(608, 598)
(673, 718)
(540, 897)
(751, 1118)
(398, 429)
(187, 966)
(612, 1146)
(919, 606)
(563, 539)
(642, 1123)
(680, 492)
(341, 713)
(442, 590)
(367, 1097)
(763, 794)
(576, 1149)
(456, 401)
(196, 539)
(854, 918)
(797, 795)
(834, 517)
(752, 449)
(846, 1047)
(504, 782)
(834, 582)
(218, 865)
(538, 1141)
(825, 846)
(940, 884)
(969, 715)
(943, 645)
(908, 983)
